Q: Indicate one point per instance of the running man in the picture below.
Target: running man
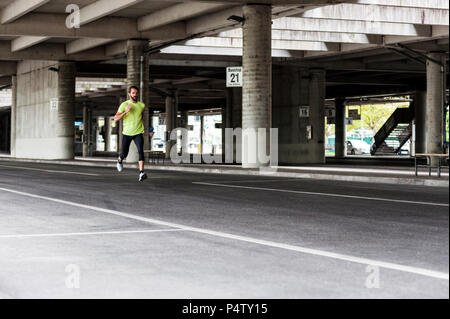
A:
(131, 112)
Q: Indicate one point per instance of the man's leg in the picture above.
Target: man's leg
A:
(126, 142)
(139, 141)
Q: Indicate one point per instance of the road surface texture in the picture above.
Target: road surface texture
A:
(86, 232)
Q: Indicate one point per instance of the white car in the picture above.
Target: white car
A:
(357, 147)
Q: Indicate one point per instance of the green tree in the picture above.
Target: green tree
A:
(373, 116)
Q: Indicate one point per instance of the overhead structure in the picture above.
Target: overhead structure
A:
(338, 49)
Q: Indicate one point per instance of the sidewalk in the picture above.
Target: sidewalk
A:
(350, 173)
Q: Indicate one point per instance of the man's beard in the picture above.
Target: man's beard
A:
(134, 99)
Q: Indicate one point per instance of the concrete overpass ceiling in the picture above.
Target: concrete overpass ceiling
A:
(341, 36)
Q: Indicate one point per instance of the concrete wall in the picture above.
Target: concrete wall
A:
(43, 133)
(291, 89)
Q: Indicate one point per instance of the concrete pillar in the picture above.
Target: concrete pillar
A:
(288, 95)
(226, 118)
(202, 130)
(88, 132)
(434, 106)
(13, 115)
(420, 101)
(120, 129)
(257, 79)
(107, 133)
(296, 89)
(135, 54)
(185, 139)
(340, 132)
(317, 115)
(236, 117)
(65, 128)
(45, 110)
(170, 123)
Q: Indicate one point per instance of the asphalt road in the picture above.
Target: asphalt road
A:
(84, 232)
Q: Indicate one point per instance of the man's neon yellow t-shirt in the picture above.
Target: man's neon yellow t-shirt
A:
(132, 122)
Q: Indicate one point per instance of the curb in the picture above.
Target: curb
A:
(223, 171)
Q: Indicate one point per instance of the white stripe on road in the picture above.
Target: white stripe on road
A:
(91, 233)
(323, 194)
(364, 261)
(49, 171)
(354, 170)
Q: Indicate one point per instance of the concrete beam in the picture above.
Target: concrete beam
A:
(93, 12)
(118, 48)
(103, 8)
(378, 13)
(26, 42)
(54, 25)
(354, 26)
(80, 45)
(5, 81)
(429, 4)
(183, 50)
(276, 44)
(7, 68)
(292, 35)
(176, 13)
(48, 51)
(19, 8)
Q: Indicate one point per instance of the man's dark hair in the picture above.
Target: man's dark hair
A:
(133, 87)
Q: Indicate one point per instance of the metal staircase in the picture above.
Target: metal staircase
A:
(395, 132)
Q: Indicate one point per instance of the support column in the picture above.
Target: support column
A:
(170, 123)
(434, 106)
(185, 139)
(340, 134)
(420, 102)
(202, 126)
(13, 115)
(65, 129)
(257, 88)
(317, 115)
(107, 133)
(226, 119)
(120, 129)
(87, 131)
(137, 62)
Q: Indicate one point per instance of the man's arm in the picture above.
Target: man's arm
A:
(120, 115)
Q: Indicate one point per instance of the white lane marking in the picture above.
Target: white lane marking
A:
(354, 170)
(259, 180)
(91, 233)
(323, 194)
(49, 171)
(364, 261)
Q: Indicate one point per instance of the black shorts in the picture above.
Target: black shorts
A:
(126, 142)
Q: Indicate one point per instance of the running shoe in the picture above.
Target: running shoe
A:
(119, 166)
(142, 176)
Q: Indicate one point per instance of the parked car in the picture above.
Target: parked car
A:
(158, 144)
(357, 147)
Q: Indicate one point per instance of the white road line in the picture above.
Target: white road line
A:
(364, 261)
(90, 233)
(355, 170)
(323, 194)
(49, 171)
